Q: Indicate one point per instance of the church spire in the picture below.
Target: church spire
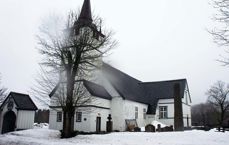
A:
(85, 14)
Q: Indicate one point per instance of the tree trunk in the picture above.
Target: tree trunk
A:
(222, 117)
(67, 125)
(69, 109)
(178, 112)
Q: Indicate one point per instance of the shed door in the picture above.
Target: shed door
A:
(9, 120)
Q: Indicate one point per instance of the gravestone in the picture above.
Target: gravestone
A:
(149, 128)
(137, 129)
(159, 127)
(109, 124)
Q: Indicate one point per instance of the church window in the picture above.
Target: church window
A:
(144, 113)
(59, 117)
(136, 112)
(163, 112)
(78, 116)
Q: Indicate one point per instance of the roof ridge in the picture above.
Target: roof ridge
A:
(92, 82)
(12, 92)
(121, 71)
(184, 79)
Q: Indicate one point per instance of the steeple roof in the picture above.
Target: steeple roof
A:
(85, 14)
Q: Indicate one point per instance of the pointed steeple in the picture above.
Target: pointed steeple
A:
(85, 20)
(85, 14)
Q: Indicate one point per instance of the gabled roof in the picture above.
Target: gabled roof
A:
(144, 92)
(132, 89)
(23, 101)
(127, 86)
(164, 89)
(97, 90)
(93, 88)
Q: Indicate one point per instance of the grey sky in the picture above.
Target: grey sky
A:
(158, 40)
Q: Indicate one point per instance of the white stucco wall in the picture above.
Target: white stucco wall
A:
(89, 114)
(170, 104)
(96, 101)
(88, 123)
(170, 109)
(187, 115)
(53, 124)
(117, 113)
(129, 112)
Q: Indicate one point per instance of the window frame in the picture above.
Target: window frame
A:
(136, 112)
(78, 119)
(163, 112)
(59, 116)
(144, 113)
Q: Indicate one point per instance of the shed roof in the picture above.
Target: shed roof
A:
(23, 101)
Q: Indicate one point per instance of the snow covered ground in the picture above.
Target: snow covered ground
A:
(51, 137)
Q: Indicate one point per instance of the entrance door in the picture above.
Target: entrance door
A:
(9, 120)
(98, 124)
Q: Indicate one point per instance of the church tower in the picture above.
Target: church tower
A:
(85, 21)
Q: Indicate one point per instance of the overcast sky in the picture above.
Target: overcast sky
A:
(158, 40)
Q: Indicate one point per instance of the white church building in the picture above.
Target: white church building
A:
(124, 97)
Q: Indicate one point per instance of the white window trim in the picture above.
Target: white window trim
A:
(59, 116)
(136, 113)
(144, 113)
(77, 117)
(164, 112)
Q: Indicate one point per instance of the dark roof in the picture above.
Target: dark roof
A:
(23, 101)
(97, 90)
(144, 92)
(164, 89)
(93, 88)
(132, 89)
(54, 89)
(127, 86)
(85, 14)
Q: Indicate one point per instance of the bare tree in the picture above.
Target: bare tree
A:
(221, 31)
(2, 92)
(45, 81)
(204, 114)
(75, 52)
(218, 97)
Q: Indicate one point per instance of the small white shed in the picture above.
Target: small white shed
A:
(17, 112)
